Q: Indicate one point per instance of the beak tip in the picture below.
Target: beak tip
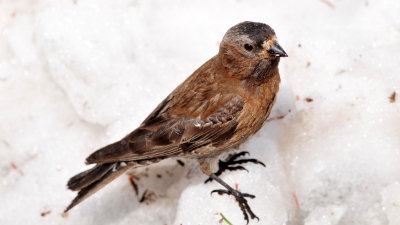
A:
(277, 50)
(282, 54)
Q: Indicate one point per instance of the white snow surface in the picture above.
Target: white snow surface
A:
(76, 75)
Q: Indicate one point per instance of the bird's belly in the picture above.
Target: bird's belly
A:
(255, 118)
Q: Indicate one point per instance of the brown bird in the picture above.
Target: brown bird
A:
(216, 109)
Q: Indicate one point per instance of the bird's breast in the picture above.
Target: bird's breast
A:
(258, 106)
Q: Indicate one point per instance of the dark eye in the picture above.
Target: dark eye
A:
(248, 47)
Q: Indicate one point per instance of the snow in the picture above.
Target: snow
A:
(76, 75)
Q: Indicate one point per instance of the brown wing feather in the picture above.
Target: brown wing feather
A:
(162, 136)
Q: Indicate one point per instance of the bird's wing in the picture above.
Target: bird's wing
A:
(168, 133)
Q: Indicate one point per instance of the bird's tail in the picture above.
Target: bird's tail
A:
(92, 180)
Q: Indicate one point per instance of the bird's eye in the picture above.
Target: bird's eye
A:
(248, 47)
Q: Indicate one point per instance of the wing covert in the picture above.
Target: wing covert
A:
(163, 135)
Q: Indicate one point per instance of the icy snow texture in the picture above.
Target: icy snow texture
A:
(76, 75)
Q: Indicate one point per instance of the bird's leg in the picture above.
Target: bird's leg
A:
(232, 163)
(239, 196)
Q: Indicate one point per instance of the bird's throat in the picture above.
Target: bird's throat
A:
(265, 69)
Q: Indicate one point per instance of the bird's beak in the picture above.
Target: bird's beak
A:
(272, 48)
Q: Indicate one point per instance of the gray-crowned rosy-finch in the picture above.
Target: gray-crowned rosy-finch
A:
(217, 108)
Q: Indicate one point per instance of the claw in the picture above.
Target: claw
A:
(220, 192)
(248, 195)
(240, 198)
(237, 155)
(231, 160)
(237, 168)
(255, 161)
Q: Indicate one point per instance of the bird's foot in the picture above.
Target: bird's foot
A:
(233, 163)
(241, 199)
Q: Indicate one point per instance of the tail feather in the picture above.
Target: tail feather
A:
(87, 177)
(92, 180)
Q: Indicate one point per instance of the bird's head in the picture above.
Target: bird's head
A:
(247, 44)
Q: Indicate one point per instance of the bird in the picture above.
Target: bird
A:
(216, 109)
